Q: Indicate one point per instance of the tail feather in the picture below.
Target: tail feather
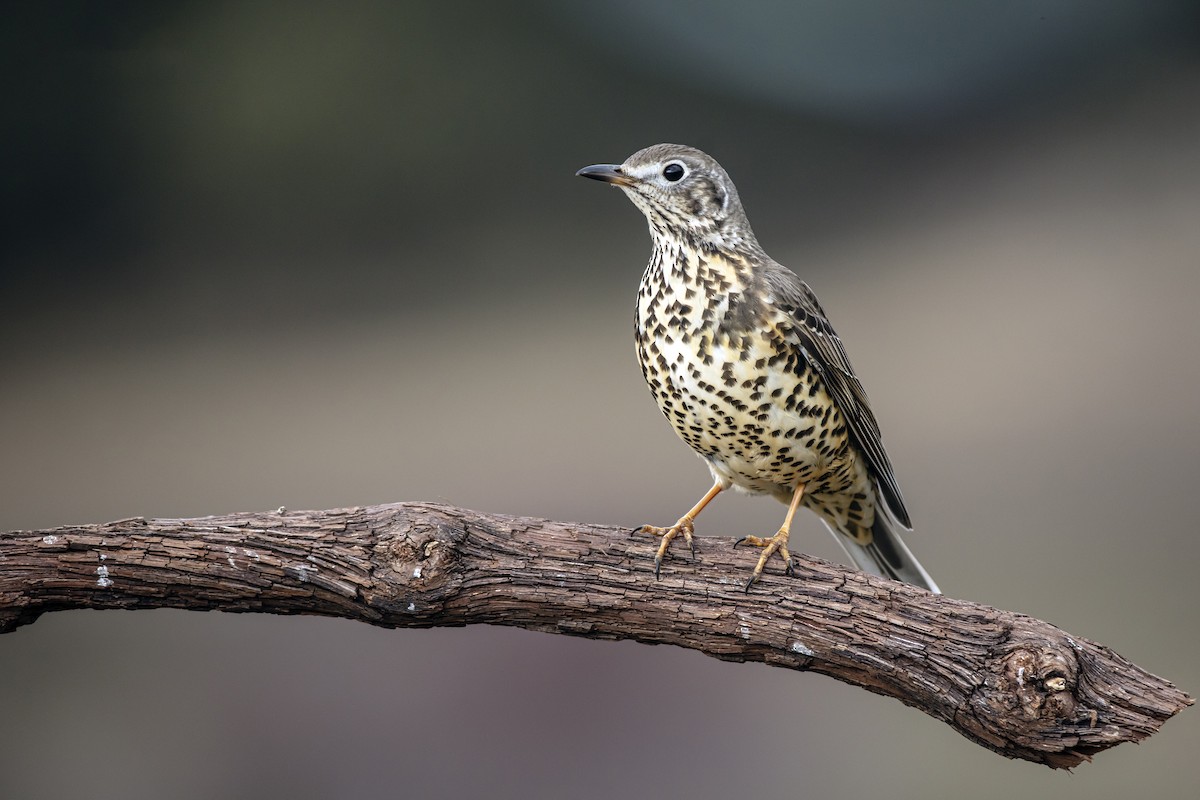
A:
(887, 556)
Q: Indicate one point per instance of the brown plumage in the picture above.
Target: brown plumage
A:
(742, 360)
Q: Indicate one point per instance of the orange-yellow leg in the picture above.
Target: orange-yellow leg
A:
(778, 542)
(684, 526)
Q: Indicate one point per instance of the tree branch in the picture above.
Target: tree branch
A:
(1014, 684)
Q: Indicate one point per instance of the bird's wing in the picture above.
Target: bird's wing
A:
(824, 350)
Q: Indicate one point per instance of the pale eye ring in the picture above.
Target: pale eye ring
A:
(673, 172)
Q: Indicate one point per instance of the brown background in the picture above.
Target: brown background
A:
(317, 256)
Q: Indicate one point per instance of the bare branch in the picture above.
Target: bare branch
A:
(1014, 684)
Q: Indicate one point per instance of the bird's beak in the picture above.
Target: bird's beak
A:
(609, 173)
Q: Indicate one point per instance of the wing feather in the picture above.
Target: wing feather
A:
(825, 352)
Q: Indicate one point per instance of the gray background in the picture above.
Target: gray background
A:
(325, 255)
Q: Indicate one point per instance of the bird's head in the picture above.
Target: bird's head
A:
(684, 193)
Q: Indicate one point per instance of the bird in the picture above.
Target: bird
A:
(742, 360)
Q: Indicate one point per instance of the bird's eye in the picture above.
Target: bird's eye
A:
(673, 171)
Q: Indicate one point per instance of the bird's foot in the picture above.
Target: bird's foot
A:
(776, 543)
(684, 526)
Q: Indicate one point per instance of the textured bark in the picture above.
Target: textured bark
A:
(1014, 684)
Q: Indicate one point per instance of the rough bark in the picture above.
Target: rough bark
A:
(1014, 684)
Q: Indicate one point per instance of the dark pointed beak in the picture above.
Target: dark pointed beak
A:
(609, 173)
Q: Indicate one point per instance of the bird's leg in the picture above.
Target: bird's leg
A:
(684, 526)
(778, 542)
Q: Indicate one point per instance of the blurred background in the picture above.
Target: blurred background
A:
(321, 255)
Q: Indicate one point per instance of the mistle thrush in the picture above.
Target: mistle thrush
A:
(744, 364)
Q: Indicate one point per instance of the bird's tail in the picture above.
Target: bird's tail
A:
(887, 556)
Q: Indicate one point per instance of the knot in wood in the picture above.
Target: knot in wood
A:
(424, 556)
(1043, 681)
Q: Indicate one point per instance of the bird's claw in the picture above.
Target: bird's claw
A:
(774, 544)
(683, 526)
